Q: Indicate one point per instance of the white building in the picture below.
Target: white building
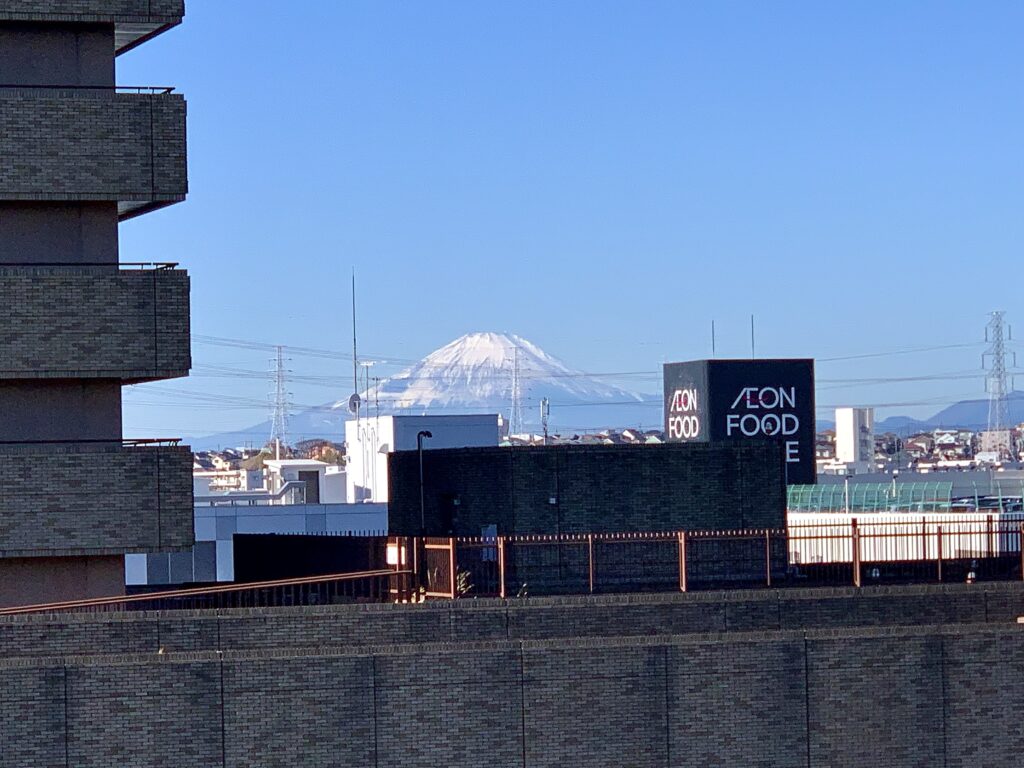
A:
(855, 439)
(370, 440)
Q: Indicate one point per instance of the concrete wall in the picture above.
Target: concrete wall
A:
(48, 233)
(857, 698)
(69, 322)
(93, 145)
(590, 489)
(92, 500)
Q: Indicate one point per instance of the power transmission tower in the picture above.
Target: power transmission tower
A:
(516, 416)
(994, 359)
(279, 430)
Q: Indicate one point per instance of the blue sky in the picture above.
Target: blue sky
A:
(603, 178)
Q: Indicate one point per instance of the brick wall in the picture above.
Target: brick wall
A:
(92, 145)
(593, 489)
(857, 698)
(81, 500)
(164, 11)
(531, 619)
(70, 323)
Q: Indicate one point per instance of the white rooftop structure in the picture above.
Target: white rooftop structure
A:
(370, 440)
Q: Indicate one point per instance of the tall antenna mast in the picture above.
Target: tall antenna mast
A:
(994, 359)
(279, 430)
(355, 354)
(516, 417)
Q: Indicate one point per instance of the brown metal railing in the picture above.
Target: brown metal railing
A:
(847, 554)
(376, 586)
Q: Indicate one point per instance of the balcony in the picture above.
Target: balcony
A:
(94, 321)
(94, 498)
(135, 21)
(93, 144)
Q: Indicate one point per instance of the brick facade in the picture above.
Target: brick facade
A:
(92, 145)
(77, 323)
(589, 489)
(858, 698)
(81, 500)
(529, 619)
(124, 11)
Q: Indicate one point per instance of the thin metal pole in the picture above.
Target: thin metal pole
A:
(938, 533)
(501, 567)
(1020, 547)
(855, 546)
(451, 565)
(590, 559)
(682, 559)
(768, 558)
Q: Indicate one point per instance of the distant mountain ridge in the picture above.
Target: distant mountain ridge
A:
(966, 414)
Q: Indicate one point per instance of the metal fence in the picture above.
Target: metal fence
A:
(850, 553)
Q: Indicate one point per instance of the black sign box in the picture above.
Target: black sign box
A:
(710, 400)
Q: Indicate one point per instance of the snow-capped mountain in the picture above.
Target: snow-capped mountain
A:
(479, 371)
(474, 374)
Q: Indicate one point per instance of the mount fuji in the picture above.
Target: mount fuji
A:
(477, 373)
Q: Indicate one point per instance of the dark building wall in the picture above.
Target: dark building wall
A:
(57, 54)
(79, 499)
(58, 233)
(61, 409)
(859, 698)
(69, 322)
(588, 489)
(33, 581)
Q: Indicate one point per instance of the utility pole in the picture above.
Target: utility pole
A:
(545, 411)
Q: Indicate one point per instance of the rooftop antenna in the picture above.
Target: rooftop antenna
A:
(353, 402)
(994, 359)
(752, 355)
(279, 430)
(712, 338)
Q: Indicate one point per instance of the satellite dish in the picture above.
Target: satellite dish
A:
(353, 403)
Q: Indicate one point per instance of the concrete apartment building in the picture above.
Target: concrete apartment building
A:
(77, 156)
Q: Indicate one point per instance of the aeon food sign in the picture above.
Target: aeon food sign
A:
(766, 412)
(756, 400)
(683, 415)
